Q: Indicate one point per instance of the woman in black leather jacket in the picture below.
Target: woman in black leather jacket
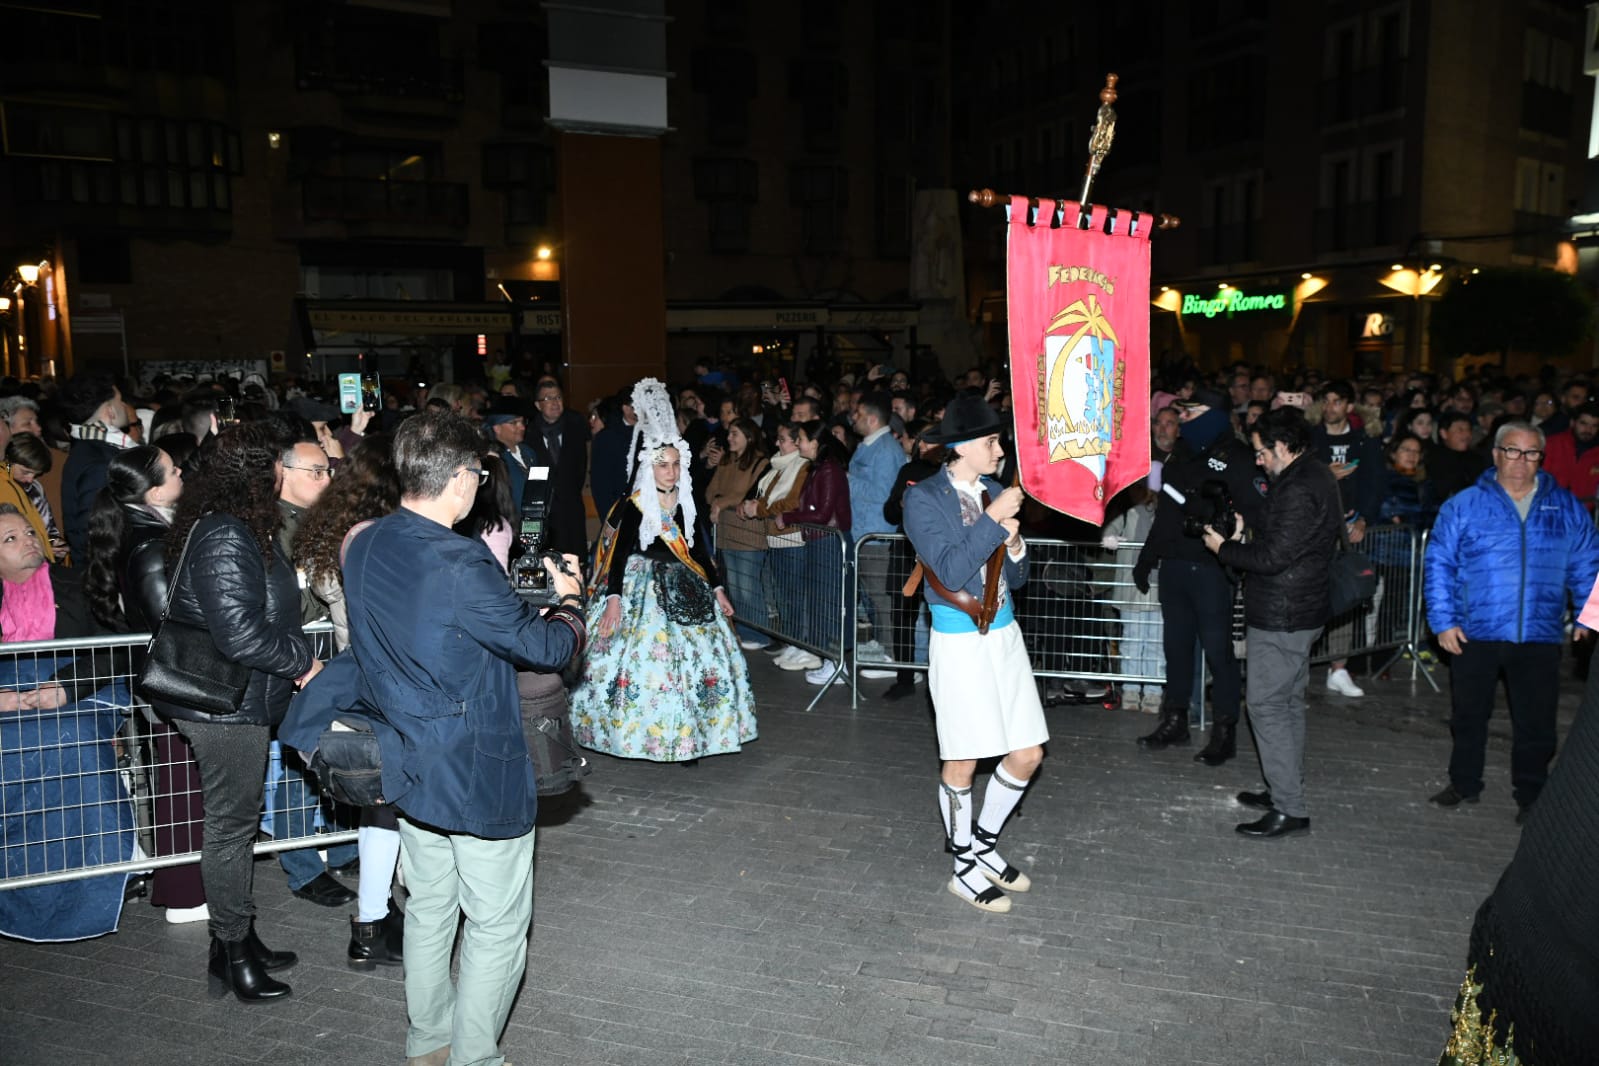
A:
(235, 582)
(126, 587)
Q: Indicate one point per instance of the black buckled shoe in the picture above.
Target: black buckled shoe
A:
(324, 891)
(1223, 744)
(1172, 730)
(379, 943)
(234, 968)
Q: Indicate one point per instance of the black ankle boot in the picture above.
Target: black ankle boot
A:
(1223, 744)
(379, 943)
(234, 968)
(1173, 729)
(270, 960)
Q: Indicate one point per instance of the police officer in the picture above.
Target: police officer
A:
(1196, 594)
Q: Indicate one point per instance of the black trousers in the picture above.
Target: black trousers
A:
(232, 761)
(1532, 686)
(1196, 602)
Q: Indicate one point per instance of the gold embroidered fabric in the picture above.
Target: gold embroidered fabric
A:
(1473, 1041)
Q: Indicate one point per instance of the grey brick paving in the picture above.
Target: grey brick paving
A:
(785, 907)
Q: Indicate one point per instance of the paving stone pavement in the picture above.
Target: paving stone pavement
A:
(786, 906)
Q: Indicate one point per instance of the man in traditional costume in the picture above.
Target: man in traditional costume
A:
(964, 529)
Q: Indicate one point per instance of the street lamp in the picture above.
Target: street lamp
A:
(29, 273)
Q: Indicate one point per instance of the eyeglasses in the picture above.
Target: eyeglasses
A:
(1532, 455)
(482, 475)
(317, 472)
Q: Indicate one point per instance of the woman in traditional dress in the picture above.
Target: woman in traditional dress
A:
(664, 678)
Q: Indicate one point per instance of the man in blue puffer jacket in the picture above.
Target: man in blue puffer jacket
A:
(1502, 558)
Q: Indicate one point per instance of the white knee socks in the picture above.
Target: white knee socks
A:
(955, 805)
(1004, 792)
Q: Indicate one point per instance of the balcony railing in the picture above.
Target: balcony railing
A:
(1347, 227)
(431, 203)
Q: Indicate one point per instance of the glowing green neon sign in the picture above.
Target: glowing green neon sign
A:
(1236, 301)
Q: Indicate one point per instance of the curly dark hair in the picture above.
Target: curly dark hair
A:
(364, 486)
(238, 476)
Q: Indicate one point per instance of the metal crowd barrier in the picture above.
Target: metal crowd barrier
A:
(1084, 621)
(88, 786)
(1391, 622)
(793, 586)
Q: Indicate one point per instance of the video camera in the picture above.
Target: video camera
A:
(528, 576)
(1213, 508)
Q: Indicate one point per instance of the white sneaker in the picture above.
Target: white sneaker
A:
(878, 675)
(800, 660)
(1151, 701)
(1340, 682)
(871, 651)
(752, 645)
(921, 677)
(1132, 696)
(824, 673)
(185, 915)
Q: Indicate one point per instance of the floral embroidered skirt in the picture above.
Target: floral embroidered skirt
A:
(658, 689)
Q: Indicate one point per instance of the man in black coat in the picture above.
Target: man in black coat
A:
(559, 438)
(1196, 596)
(1286, 604)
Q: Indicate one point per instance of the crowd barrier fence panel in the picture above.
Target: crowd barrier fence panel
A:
(81, 783)
(793, 586)
(1083, 618)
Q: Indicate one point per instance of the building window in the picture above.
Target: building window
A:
(1547, 68)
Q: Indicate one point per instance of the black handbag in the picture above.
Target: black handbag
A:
(348, 762)
(1352, 580)
(183, 666)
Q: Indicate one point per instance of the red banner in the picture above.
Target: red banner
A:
(1078, 306)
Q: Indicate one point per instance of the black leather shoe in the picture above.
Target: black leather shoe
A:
(1261, 801)
(1275, 824)
(379, 943)
(270, 960)
(1172, 730)
(1450, 798)
(234, 968)
(1223, 744)
(324, 891)
(900, 689)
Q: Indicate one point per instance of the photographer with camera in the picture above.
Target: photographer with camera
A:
(1286, 604)
(1196, 595)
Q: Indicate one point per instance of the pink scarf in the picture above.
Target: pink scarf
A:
(28, 610)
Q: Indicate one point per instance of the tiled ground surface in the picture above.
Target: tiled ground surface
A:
(786, 905)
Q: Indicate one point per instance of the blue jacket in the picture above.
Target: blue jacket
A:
(955, 552)
(1499, 578)
(873, 470)
(518, 471)
(434, 632)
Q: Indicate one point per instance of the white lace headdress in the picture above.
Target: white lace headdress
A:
(657, 429)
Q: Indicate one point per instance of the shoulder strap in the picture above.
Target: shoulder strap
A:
(177, 572)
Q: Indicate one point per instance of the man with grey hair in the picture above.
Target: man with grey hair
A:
(21, 415)
(1501, 560)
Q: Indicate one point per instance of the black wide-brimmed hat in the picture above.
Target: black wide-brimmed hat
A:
(965, 418)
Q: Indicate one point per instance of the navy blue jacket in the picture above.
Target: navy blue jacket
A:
(1499, 578)
(434, 632)
(956, 553)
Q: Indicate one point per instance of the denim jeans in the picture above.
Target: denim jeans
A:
(296, 806)
(743, 571)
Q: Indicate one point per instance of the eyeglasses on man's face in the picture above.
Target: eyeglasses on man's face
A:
(317, 472)
(481, 474)
(1532, 455)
